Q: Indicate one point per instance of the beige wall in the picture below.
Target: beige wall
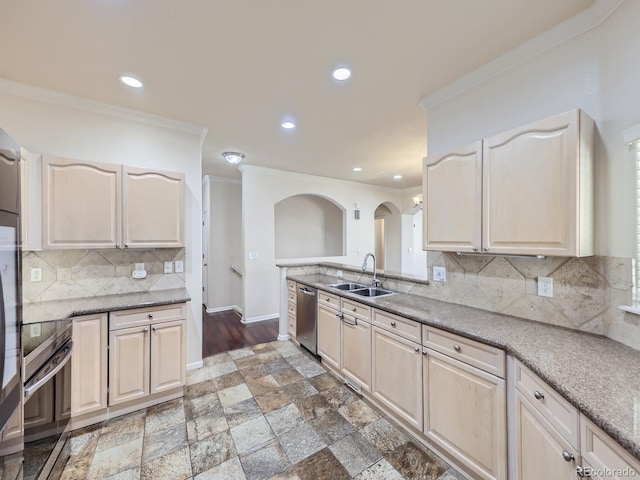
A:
(91, 131)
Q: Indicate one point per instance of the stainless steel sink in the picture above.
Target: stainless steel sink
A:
(372, 292)
(347, 286)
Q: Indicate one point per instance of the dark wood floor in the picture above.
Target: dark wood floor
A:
(223, 331)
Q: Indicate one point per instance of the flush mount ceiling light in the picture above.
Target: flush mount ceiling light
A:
(130, 81)
(417, 201)
(357, 169)
(288, 125)
(341, 74)
(233, 157)
(397, 177)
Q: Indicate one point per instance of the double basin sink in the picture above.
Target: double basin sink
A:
(362, 290)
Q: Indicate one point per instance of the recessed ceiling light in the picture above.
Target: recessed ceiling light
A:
(397, 177)
(357, 169)
(131, 81)
(288, 125)
(233, 157)
(341, 73)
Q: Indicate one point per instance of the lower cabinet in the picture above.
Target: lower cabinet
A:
(356, 351)
(397, 375)
(328, 325)
(89, 364)
(465, 413)
(541, 452)
(148, 358)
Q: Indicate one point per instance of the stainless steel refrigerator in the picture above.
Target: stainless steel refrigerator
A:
(10, 293)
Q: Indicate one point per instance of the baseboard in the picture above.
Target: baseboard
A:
(224, 309)
(261, 318)
(282, 338)
(195, 365)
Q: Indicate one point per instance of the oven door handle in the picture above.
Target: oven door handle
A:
(28, 390)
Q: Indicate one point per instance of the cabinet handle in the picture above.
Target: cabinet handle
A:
(146, 329)
(457, 348)
(568, 456)
(393, 324)
(538, 395)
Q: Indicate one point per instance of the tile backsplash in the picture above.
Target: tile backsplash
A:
(84, 273)
(586, 291)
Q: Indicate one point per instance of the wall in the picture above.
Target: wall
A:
(225, 244)
(308, 226)
(91, 131)
(262, 188)
(598, 72)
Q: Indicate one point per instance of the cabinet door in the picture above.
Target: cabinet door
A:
(153, 208)
(539, 448)
(168, 356)
(531, 191)
(329, 336)
(128, 364)
(81, 204)
(13, 428)
(465, 413)
(89, 364)
(397, 375)
(38, 407)
(452, 192)
(63, 393)
(356, 351)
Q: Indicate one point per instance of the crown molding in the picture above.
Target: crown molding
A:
(32, 92)
(631, 135)
(584, 21)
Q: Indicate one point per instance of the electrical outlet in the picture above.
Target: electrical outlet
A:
(139, 266)
(35, 330)
(36, 274)
(545, 287)
(179, 268)
(168, 267)
(439, 274)
(253, 255)
(340, 274)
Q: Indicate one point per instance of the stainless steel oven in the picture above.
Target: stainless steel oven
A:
(47, 351)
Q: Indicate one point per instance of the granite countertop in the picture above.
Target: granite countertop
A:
(61, 309)
(351, 268)
(599, 376)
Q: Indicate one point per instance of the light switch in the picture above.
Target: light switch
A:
(253, 255)
(179, 267)
(168, 267)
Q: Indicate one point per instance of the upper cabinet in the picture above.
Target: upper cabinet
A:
(528, 191)
(81, 204)
(153, 208)
(95, 205)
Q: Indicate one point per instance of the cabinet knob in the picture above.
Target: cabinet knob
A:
(150, 316)
(538, 395)
(338, 315)
(126, 245)
(393, 324)
(417, 349)
(328, 299)
(355, 309)
(146, 329)
(568, 456)
(474, 248)
(154, 328)
(424, 351)
(457, 348)
(485, 249)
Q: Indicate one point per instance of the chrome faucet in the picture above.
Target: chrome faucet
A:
(375, 282)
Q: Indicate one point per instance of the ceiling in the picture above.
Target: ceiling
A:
(240, 67)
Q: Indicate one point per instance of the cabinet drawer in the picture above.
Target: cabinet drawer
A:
(292, 297)
(400, 326)
(291, 286)
(292, 325)
(600, 452)
(144, 316)
(556, 410)
(292, 310)
(484, 357)
(328, 299)
(355, 309)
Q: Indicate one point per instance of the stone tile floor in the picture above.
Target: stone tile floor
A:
(265, 412)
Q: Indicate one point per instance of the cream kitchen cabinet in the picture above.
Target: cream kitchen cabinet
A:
(465, 402)
(329, 330)
(534, 195)
(146, 352)
(153, 208)
(292, 291)
(89, 364)
(355, 345)
(397, 367)
(98, 205)
(81, 204)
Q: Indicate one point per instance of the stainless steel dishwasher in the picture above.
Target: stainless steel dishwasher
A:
(306, 311)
